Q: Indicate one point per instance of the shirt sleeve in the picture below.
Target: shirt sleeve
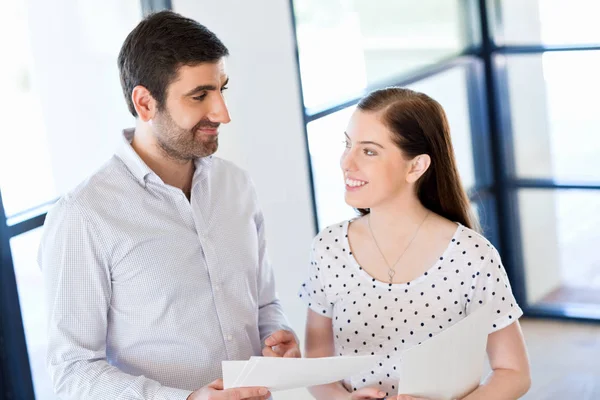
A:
(77, 285)
(490, 284)
(271, 317)
(312, 291)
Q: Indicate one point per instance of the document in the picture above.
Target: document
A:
(449, 365)
(291, 373)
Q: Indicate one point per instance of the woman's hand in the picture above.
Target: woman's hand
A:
(367, 393)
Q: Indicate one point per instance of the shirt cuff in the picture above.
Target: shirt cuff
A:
(169, 393)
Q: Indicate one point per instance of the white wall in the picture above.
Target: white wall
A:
(266, 135)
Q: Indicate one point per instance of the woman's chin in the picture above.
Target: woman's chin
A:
(354, 202)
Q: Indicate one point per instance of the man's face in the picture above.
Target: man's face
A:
(187, 127)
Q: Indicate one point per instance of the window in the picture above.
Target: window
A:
(554, 107)
(522, 108)
(548, 22)
(347, 46)
(560, 236)
(62, 108)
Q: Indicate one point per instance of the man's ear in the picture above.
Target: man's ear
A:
(144, 103)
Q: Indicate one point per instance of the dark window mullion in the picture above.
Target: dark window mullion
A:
(14, 361)
(524, 183)
(500, 127)
(535, 49)
(150, 6)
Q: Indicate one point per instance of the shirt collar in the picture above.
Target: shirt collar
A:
(140, 169)
(131, 159)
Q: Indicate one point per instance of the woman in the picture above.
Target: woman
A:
(412, 264)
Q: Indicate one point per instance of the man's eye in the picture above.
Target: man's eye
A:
(224, 88)
(201, 97)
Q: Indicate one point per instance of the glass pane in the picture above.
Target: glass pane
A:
(554, 107)
(325, 142)
(485, 209)
(30, 286)
(62, 108)
(325, 137)
(560, 244)
(546, 22)
(345, 46)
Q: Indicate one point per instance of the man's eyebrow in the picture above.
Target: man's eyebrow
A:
(205, 88)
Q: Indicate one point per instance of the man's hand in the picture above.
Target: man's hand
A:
(281, 344)
(214, 391)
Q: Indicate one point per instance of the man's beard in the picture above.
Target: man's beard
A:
(182, 144)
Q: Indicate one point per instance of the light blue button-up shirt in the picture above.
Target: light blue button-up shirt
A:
(148, 292)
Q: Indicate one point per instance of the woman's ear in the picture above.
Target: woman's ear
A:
(418, 166)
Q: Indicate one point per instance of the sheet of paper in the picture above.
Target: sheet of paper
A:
(232, 370)
(291, 373)
(449, 365)
(247, 368)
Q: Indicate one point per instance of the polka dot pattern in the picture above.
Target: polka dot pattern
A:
(370, 317)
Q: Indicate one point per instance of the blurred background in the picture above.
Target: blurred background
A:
(517, 78)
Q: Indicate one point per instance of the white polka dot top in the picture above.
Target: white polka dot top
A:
(371, 317)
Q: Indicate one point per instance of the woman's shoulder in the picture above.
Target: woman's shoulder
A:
(473, 238)
(332, 235)
(332, 231)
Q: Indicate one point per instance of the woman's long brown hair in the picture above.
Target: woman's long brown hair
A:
(419, 126)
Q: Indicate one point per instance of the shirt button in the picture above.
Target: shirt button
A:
(230, 338)
(217, 288)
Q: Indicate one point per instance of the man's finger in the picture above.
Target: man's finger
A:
(268, 352)
(244, 393)
(280, 336)
(294, 352)
(218, 384)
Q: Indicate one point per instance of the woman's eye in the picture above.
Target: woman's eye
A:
(369, 152)
(346, 143)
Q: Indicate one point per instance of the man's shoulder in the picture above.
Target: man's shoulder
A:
(102, 185)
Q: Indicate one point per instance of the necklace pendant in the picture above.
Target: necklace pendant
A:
(391, 274)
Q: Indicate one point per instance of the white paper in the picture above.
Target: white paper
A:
(291, 373)
(449, 365)
(232, 370)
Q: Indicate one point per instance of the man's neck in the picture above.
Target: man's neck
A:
(176, 173)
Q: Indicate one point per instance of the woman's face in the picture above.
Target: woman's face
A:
(375, 169)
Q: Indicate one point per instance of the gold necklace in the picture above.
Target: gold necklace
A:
(391, 270)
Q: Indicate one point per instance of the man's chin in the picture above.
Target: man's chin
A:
(207, 150)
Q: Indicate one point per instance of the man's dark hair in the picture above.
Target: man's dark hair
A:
(155, 50)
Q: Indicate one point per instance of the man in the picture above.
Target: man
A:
(155, 267)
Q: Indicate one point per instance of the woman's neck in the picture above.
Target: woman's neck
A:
(398, 218)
